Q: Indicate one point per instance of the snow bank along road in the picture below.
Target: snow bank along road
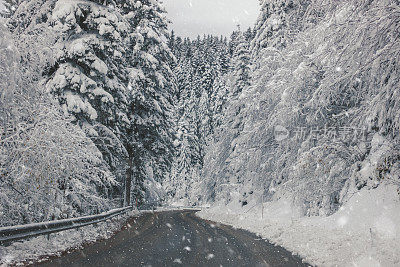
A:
(178, 238)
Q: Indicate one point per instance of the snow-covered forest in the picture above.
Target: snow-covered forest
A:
(326, 74)
(302, 106)
(88, 107)
(102, 106)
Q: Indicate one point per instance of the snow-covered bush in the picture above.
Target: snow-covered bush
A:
(49, 169)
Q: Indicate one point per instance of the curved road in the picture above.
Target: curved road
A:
(178, 238)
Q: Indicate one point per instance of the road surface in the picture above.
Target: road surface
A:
(178, 238)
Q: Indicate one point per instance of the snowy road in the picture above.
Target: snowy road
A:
(178, 238)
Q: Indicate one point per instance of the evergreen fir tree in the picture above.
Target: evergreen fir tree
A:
(152, 94)
(89, 74)
(241, 66)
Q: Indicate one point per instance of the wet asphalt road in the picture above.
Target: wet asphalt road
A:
(178, 238)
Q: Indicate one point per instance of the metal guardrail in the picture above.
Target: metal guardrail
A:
(13, 233)
(190, 207)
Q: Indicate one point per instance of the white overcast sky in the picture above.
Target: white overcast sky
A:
(219, 17)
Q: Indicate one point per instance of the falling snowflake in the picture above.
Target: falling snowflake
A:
(210, 256)
(178, 261)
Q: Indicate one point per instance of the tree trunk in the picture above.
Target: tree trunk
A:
(128, 182)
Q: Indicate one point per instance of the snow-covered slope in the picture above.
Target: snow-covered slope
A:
(364, 232)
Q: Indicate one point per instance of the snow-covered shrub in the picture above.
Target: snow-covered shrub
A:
(49, 169)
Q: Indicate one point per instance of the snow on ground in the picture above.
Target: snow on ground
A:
(40, 248)
(364, 232)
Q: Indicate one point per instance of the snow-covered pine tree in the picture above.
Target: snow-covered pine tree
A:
(152, 92)
(249, 34)
(184, 165)
(277, 23)
(241, 66)
(221, 151)
(188, 161)
(89, 74)
(221, 51)
(240, 80)
(174, 44)
(233, 41)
